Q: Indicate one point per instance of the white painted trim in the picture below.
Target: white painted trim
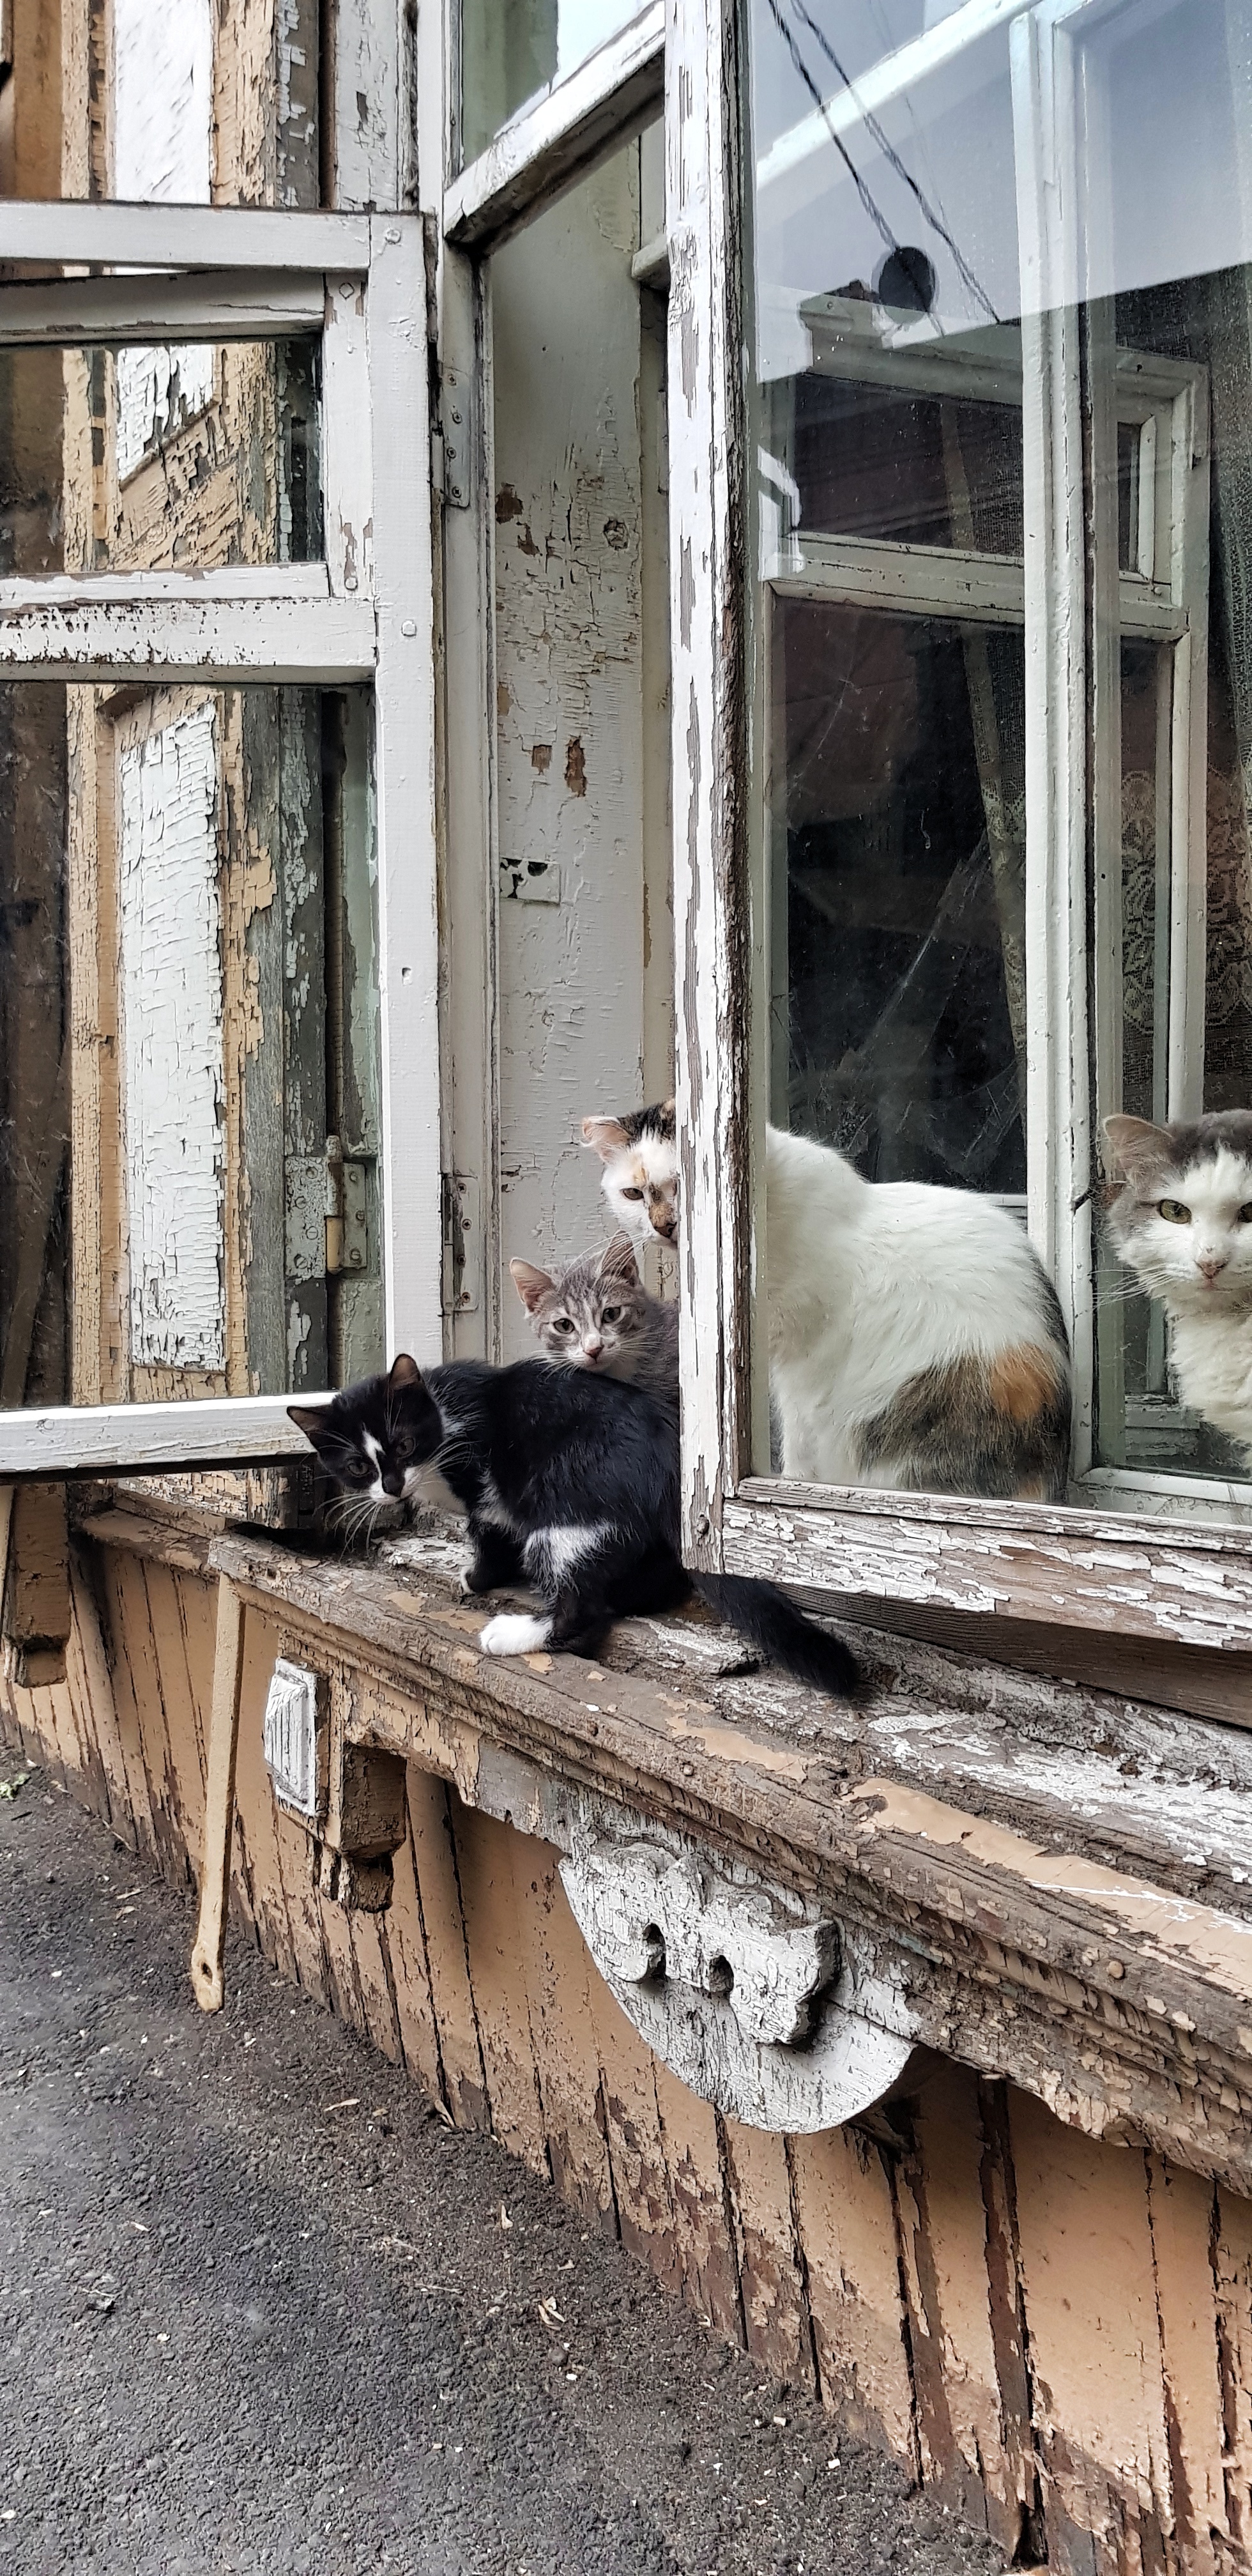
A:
(202, 636)
(368, 100)
(116, 312)
(104, 235)
(347, 452)
(554, 140)
(404, 721)
(140, 1439)
(220, 589)
(942, 581)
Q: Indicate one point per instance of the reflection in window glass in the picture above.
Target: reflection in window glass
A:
(188, 1043)
(512, 50)
(1005, 626)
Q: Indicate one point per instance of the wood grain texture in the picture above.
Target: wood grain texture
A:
(484, 1859)
(771, 2274)
(846, 2220)
(559, 1978)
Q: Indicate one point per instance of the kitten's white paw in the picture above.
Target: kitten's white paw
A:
(514, 1632)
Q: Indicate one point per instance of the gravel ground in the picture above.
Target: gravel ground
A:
(259, 2309)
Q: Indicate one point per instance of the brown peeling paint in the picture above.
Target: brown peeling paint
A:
(575, 767)
(508, 506)
(541, 757)
(526, 543)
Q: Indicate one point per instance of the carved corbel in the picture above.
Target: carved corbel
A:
(761, 2004)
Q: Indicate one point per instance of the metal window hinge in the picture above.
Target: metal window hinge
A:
(462, 1244)
(347, 1230)
(327, 1215)
(450, 440)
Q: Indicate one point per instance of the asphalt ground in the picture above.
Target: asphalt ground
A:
(261, 2310)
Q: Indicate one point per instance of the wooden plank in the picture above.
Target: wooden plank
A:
(558, 1972)
(642, 2191)
(484, 1858)
(846, 2224)
(1232, 2265)
(37, 1613)
(92, 1681)
(254, 1803)
(128, 632)
(343, 1991)
(138, 1646)
(138, 1802)
(296, 1853)
(970, 2444)
(465, 2083)
(775, 2312)
(1184, 2219)
(700, 2197)
(122, 312)
(369, 1950)
(1091, 2303)
(405, 1935)
(547, 146)
(1078, 1569)
(143, 1439)
(178, 1706)
(366, 86)
(1006, 2308)
(110, 235)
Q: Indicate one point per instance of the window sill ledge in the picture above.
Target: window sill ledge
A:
(965, 1853)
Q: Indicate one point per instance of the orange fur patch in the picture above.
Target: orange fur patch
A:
(1021, 1382)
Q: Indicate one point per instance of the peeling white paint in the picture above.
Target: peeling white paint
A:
(170, 928)
(162, 152)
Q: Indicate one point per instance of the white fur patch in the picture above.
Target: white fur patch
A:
(562, 1548)
(514, 1632)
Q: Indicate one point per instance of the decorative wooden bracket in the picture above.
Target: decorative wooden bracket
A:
(219, 1800)
(759, 2003)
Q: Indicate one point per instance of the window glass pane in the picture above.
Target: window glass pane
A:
(144, 459)
(1002, 330)
(513, 50)
(188, 1043)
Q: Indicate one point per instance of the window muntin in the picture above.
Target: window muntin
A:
(971, 253)
(513, 51)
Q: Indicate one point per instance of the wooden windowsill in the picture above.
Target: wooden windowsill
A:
(1058, 1880)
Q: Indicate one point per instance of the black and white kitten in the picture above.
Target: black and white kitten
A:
(598, 1316)
(571, 1486)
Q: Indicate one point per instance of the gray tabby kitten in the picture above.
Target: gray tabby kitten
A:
(597, 1315)
(1183, 1224)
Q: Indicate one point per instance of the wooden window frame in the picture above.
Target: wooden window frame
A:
(1124, 1573)
(365, 613)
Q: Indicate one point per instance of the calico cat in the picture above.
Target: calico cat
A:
(597, 1315)
(1182, 1222)
(640, 1179)
(915, 1339)
(569, 1486)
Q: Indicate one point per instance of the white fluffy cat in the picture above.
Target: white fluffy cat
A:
(915, 1339)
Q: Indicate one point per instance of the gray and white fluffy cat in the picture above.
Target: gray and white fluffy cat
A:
(915, 1339)
(597, 1315)
(1182, 1222)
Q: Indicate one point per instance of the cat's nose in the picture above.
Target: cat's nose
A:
(663, 1223)
(1211, 1263)
(393, 1483)
(592, 1345)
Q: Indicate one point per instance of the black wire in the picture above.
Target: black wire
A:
(877, 218)
(885, 146)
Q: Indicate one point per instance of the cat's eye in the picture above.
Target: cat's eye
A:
(1173, 1211)
(612, 1315)
(1245, 1214)
(632, 1194)
(562, 1324)
(358, 1468)
(403, 1447)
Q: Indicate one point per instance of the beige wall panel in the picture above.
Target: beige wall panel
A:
(775, 2313)
(89, 1678)
(406, 1946)
(254, 1798)
(439, 1889)
(701, 2204)
(178, 1700)
(373, 1977)
(116, 1569)
(558, 1976)
(489, 1906)
(970, 2442)
(1086, 2252)
(847, 2229)
(632, 2119)
(1183, 2212)
(1232, 2262)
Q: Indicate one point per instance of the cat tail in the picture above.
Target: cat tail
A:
(780, 1633)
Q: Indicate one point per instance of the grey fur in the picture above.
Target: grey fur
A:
(603, 1297)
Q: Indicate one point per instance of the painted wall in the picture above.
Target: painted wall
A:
(1055, 2335)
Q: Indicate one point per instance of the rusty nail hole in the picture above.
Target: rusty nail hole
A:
(1116, 1969)
(721, 1977)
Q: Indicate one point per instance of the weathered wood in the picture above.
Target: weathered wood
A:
(156, 236)
(548, 146)
(206, 1958)
(558, 1981)
(846, 2222)
(37, 1610)
(405, 1936)
(775, 2312)
(691, 2134)
(484, 1858)
(128, 626)
(460, 2051)
(1183, 2216)
(1025, 1561)
(708, 446)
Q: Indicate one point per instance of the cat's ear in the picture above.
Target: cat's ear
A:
(531, 1284)
(606, 1136)
(619, 1261)
(309, 1418)
(403, 1374)
(1138, 1145)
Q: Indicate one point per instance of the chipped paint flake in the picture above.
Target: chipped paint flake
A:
(163, 142)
